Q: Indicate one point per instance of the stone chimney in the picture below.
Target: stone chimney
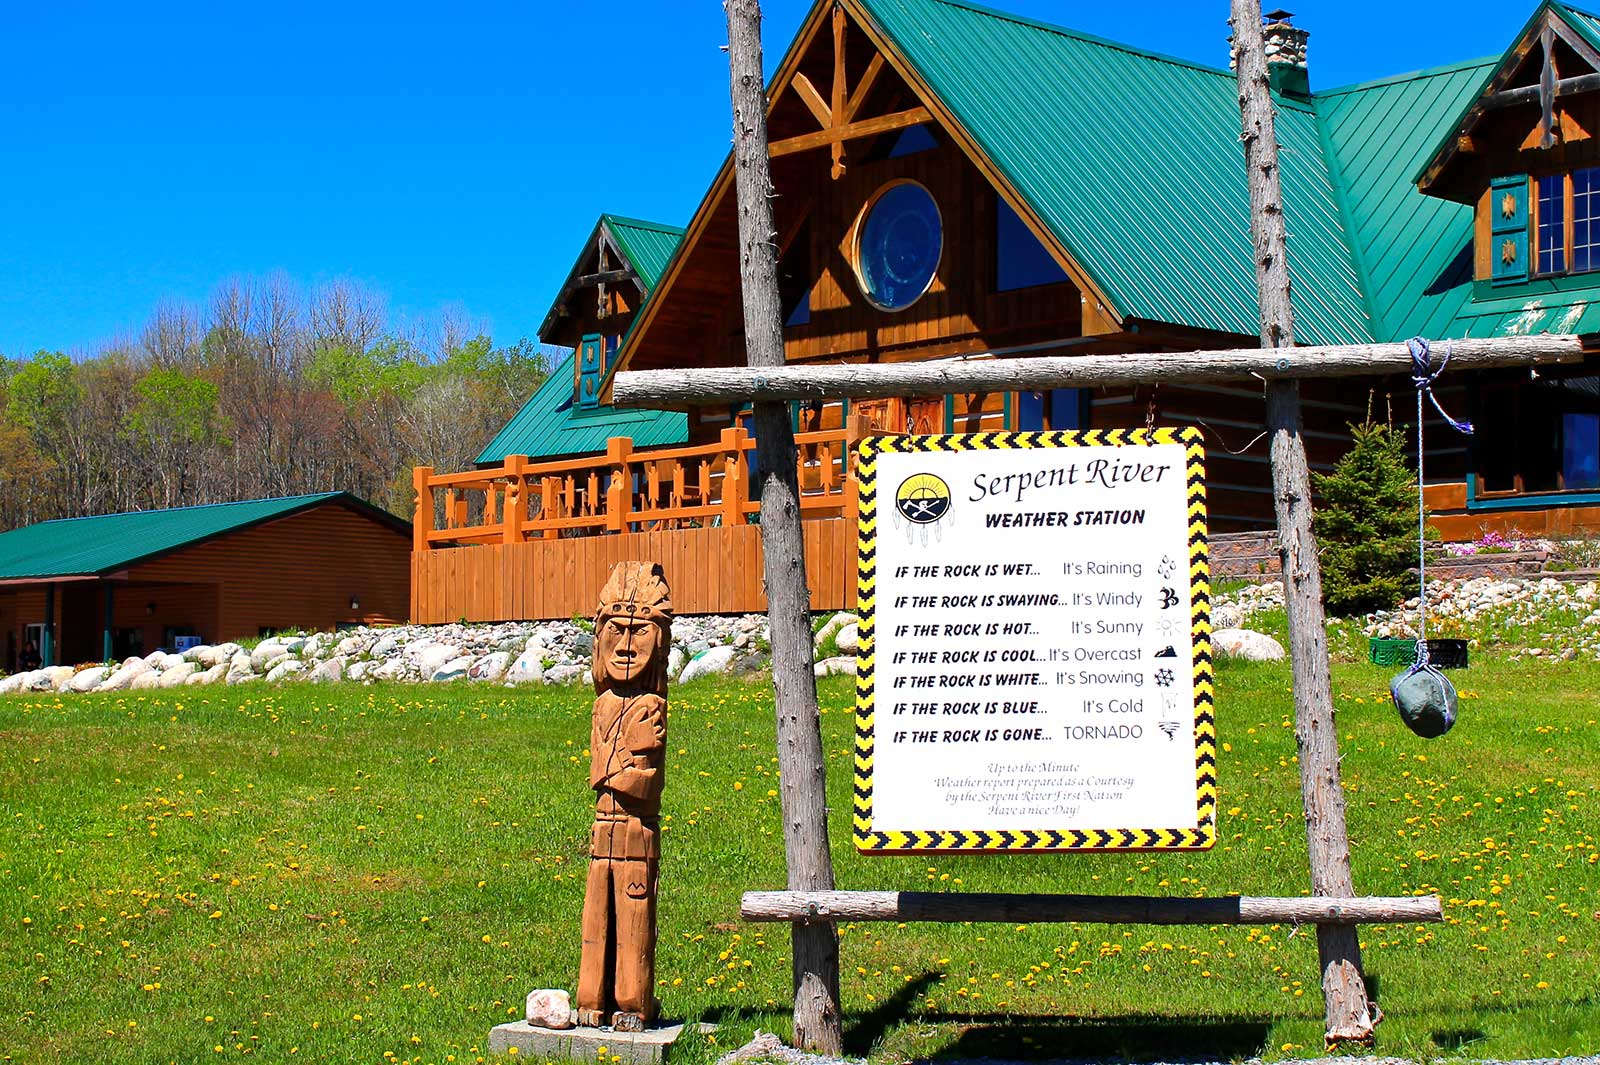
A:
(1286, 54)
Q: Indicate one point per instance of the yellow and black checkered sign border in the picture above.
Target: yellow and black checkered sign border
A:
(1205, 767)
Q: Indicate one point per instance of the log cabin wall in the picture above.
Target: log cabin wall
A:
(299, 571)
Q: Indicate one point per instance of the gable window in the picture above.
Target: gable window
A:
(1020, 260)
(897, 245)
(1567, 222)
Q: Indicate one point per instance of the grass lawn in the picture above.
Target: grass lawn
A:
(372, 875)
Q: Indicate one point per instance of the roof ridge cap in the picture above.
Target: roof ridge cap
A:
(1081, 35)
(190, 506)
(642, 223)
(1410, 75)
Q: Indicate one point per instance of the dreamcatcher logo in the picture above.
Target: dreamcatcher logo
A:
(921, 503)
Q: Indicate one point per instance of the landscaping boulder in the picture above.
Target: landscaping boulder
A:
(843, 666)
(146, 681)
(550, 1008)
(491, 667)
(210, 676)
(87, 679)
(529, 666)
(708, 662)
(431, 656)
(124, 677)
(565, 674)
(16, 682)
(833, 625)
(329, 672)
(1247, 644)
(266, 652)
(285, 670)
(455, 669)
(56, 677)
(178, 674)
(848, 638)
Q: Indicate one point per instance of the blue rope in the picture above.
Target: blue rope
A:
(1423, 375)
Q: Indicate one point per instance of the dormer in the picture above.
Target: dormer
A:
(1524, 154)
(601, 296)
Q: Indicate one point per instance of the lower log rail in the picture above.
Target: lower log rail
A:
(833, 906)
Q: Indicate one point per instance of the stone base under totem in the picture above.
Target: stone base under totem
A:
(649, 1047)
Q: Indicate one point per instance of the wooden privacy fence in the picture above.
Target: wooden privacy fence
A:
(625, 491)
(714, 570)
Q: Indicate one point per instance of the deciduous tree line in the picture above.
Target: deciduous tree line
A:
(266, 391)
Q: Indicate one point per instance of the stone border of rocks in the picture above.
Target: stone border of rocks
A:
(511, 653)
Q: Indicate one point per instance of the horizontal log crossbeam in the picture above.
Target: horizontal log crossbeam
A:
(834, 906)
(683, 388)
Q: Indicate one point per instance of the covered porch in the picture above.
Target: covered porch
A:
(535, 541)
(74, 620)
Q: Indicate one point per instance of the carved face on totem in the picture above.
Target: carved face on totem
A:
(633, 630)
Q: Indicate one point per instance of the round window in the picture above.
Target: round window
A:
(898, 243)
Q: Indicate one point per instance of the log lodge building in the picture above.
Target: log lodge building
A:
(951, 184)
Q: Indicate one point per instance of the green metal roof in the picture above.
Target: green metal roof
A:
(648, 246)
(73, 547)
(1133, 161)
(1414, 251)
(549, 425)
(1574, 310)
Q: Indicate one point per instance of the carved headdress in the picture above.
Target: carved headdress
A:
(636, 590)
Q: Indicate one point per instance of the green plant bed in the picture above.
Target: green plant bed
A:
(1390, 651)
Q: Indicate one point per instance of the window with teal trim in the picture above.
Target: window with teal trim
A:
(1538, 436)
(1586, 219)
(1552, 224)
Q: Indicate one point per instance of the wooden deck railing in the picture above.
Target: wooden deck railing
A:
(624, 491)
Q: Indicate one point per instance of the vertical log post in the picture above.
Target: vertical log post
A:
(735, 488)
(817, 1024)
(619, 492)
(1349, 1017)
(422, 516)
(514, 509)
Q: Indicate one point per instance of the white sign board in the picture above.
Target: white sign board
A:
(1035, 668)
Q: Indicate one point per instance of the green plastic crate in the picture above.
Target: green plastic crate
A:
(1446, 654)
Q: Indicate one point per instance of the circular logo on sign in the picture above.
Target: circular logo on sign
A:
(922, 499)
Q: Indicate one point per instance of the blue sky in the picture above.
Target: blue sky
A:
(449, 155)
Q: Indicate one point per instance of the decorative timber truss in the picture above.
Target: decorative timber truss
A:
(1551, 61)
(839, 113)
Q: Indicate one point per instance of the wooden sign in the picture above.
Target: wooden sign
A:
(1034, 670)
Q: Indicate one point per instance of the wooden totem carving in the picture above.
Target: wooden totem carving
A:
(627, 744)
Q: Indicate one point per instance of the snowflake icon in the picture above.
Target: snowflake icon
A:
(1164, 678)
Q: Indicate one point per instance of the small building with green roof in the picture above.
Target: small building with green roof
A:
(115, 585)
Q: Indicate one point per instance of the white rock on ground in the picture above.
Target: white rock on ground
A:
(329, 672)
(490, 667)
(289, 667)
(124, 676)
(178, 674)
(455, 669)
(549, 1008)
(833, 625)
(529, 666)
(848, 638)
(265, 653)
(85, 680)
(146, 681)
(211, 676)
(1247, 644)
(56, 677)
(836, 667)
(706, 663)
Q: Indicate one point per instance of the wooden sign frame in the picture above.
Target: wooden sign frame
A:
(1202, 835)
